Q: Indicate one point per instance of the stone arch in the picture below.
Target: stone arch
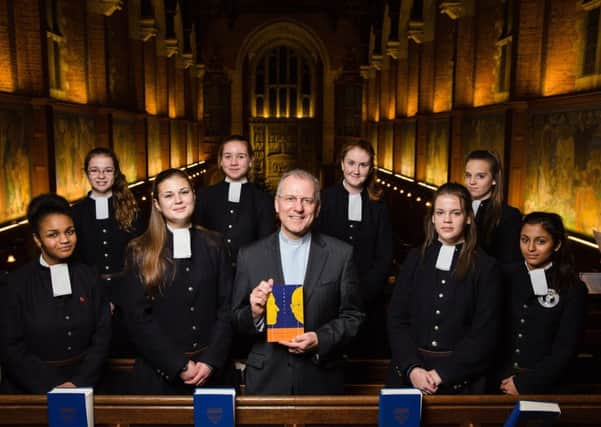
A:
(287, 31)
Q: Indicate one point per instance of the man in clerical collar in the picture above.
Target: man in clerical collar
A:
(310, 362)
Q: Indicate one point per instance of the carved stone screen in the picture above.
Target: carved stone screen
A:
(281, 145)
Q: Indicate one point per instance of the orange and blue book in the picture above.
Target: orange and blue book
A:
(284, 313)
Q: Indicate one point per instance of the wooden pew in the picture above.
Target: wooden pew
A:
(367, 376)
(127, 411)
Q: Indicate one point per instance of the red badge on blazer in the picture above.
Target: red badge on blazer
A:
(82, 299)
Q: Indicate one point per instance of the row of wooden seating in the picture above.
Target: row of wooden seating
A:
(130, 411)
(367, 376)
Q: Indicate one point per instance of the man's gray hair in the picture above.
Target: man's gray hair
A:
(302, 174)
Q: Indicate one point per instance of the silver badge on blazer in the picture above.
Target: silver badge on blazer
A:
(550, 300)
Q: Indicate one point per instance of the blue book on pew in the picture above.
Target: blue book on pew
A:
(214, 407)
(533, 414)
(400, 407)
(71, 407)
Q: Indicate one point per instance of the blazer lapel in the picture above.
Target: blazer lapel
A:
(276, 258)
(318, 257)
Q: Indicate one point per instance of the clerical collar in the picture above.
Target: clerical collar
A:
(294, 242)
(243, 180)
(538, 279)
(445, 256)
(349, 188)
(102, 204)
(182, 245)
(234, 189)
(59, 278)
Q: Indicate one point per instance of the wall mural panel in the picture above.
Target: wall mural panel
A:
(191, 144)
(484, 132)
(74, 136)
(386, 144)
(15, 165)
(564, 167)
(406, 149)
(177, 143)
(154, 146)
(372, 137)
(124, 144)
(437, 151)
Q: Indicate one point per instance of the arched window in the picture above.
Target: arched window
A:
(55, 43)
(283, 84)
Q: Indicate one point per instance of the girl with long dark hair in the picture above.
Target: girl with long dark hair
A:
(545, 308)
(106, 220)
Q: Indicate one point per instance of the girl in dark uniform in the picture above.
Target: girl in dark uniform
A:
(106, 220)
(238, 209)
(545, 309)
(444, 313)
(55, 321)
(176, 295)
(498, 223)
(355, 212)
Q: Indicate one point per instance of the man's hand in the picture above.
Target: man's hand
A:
(302, 343)
(258, 298)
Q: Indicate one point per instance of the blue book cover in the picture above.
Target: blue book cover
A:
(400, 407)
(533, 414)
(285, 314)
(214, 407)
(71, 407)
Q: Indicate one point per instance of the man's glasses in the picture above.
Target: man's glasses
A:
(292, 200)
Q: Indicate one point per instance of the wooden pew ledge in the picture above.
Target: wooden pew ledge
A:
(277, 410)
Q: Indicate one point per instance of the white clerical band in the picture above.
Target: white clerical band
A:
(445, 257)
(476, 205)
(233, 194)
(59, 278)
(235, 189)
(182, 246)
(354, 207)
(102, 207)
(538, 280)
